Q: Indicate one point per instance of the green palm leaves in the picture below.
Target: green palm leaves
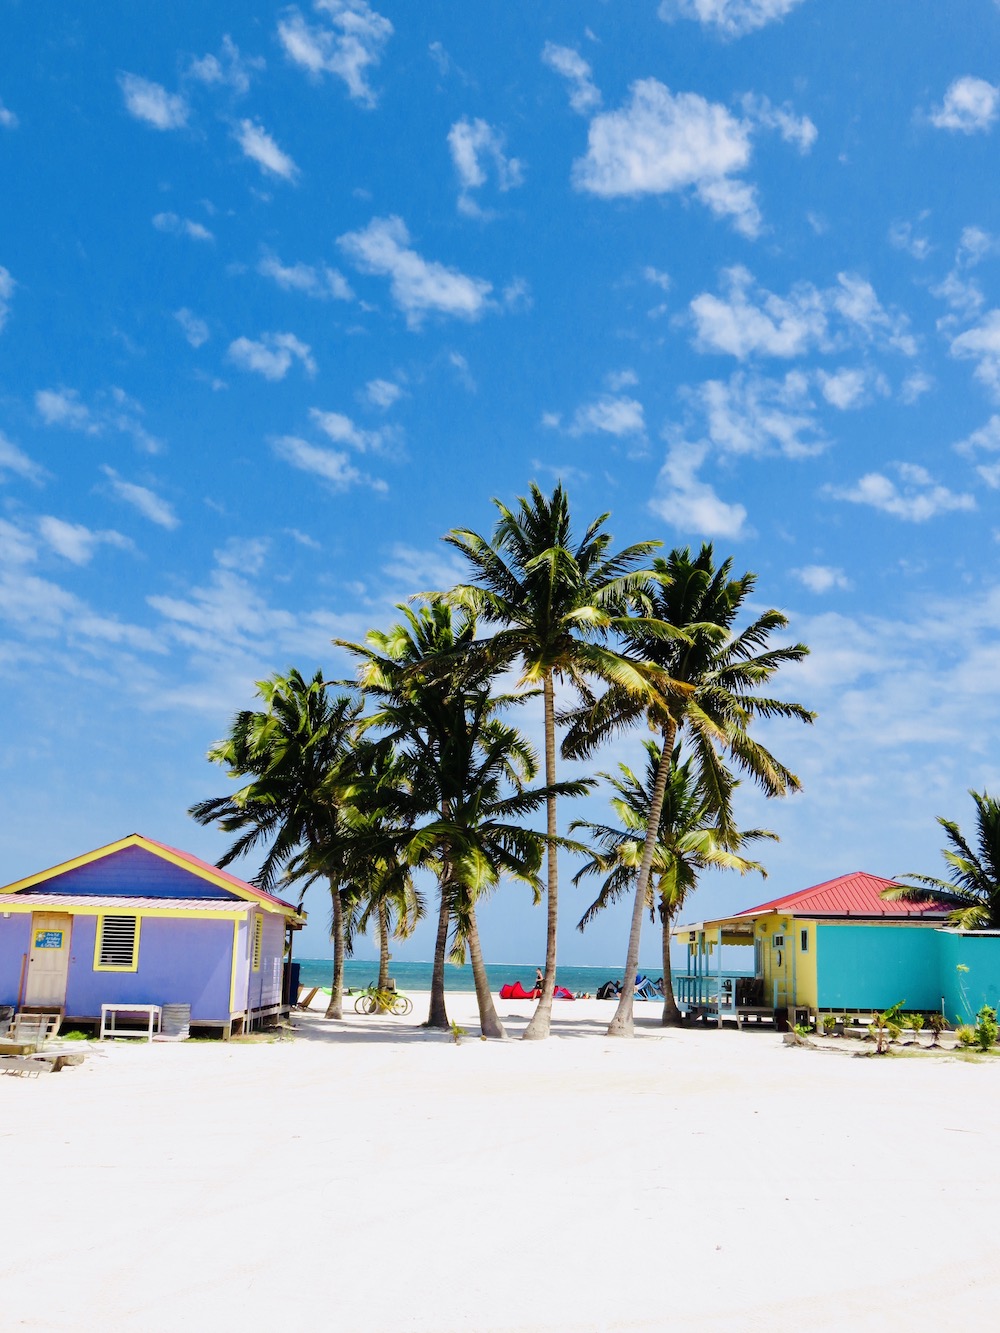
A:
(973, 887)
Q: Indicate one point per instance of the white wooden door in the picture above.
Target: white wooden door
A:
(48, 961)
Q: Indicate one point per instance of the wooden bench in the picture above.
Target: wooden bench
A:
(755, 1011)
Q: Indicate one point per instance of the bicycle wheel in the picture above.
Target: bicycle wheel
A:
(401, 1005)
(360, 1004)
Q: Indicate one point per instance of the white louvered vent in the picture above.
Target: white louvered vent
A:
(118, 941)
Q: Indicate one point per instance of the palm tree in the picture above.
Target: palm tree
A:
(465, 774)
(973, 887)
(687, 843)
(554, 599)
(296, 753)
(703, 685)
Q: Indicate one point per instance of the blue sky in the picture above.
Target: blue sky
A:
(288, 291)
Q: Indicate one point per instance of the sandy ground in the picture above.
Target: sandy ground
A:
(370, 1176)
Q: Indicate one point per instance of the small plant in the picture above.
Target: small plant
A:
(829, 1025)
(937, 1024)
(802, 1030)
(916, 1022)
(966, 1036)
(457, 1033)
(986, 1027)
(885, 1028)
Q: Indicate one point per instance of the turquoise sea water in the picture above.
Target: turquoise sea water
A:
(417, 976)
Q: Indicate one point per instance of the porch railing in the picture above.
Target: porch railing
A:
(721, 992)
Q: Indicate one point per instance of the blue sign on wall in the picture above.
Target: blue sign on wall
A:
(48, 939)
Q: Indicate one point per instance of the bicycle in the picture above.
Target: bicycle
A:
(375, 1001)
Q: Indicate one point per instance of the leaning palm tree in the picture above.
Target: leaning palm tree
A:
(293, 756)
(703, 686)
(972, 890)
(465, 773)
(552, 598)
(687, 843)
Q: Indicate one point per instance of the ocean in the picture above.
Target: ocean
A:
(417, 976)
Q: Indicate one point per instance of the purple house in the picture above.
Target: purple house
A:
(139, 922)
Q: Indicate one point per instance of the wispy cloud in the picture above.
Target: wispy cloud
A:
(730, 18)
(984, 440)
(822, 578)
(584, 95)
(690, 504)
(316, 280)
(195, 329)
(349, 45)
(229, 69)
(796, 130)
(664, 143)
(473, 142)
(16, 461)
(614, 414)
(7, 285)
(8, 120)
(332, 465)
(756, 416)
(77, 543)
(342, 430)
(915, 498)
(419, 286)
(258, 145)
(383, 393)
(174, 225)
(981, 344)
(271, 355)
(150, 102)
(112, 409)
(141, 498)
(970, 105)
(63, 407)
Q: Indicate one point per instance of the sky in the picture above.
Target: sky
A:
(289, 291)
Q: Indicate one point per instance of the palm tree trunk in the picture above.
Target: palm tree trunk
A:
(335, 1009)
(437, 1016)
(383, 946)
(672, 1016)
(489, 1022)
(622, 1025)
(541, 1020)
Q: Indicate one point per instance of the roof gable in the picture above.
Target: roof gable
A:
(141, 867)
(857, 894)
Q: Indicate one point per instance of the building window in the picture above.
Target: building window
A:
(804, 941)
(258, 941)
(117, 948)
(777, 941)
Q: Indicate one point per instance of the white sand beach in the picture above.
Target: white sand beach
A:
(370, 1176)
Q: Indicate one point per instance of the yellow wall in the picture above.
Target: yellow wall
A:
(788, 967)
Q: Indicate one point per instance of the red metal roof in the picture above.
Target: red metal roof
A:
(855, 894)
(100, 900)
(240, 884)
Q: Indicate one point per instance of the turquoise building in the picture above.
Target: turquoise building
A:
(840, 947)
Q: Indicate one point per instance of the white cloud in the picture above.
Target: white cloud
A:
(7, 285)
(987, 440)
(731, 18)
(915, 386)
(195, 329)
(113, 409)
(272, 355)
(903, 236)
(821, 578)
(974, 245)
(617, 380)
(147, 502)
(342, 430)
(751, 321)
(962, 294)
(349, 47)
(383, 393)
(850, 387)
(227, 70)
(689, 503)
(796, 130)
(471, 142)
(610, 414)
(657, 277)
(62, 407)
(15, 460)
(755, 416)
(152, 103)
(916, 499)
(178, 226)
(661, 143)
(76, 543)
(748, 320)
(982, 345)
(332, 465)
(258, 145)
(418, 286)
(969, 105)
(584, 95)
(8, 120)
(246, 554)
(319, 280)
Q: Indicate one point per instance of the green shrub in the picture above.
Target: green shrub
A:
(914, 1021)
(937, 1024)
(986, 1027)
(966, 1036)
(829, 1023)
(802, 1030)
